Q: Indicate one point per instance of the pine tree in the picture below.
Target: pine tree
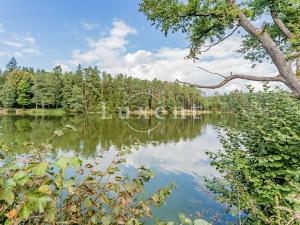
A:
(12, 65)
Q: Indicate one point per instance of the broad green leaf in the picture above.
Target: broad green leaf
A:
(26, 211)
(9, 184)
(40, 169)
(8, 196)
(21, 177)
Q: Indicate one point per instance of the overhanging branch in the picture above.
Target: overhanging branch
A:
(233, 77)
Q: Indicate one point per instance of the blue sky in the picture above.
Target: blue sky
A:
(59, 26)
(112, 35)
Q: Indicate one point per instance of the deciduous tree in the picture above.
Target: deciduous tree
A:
(207, 23)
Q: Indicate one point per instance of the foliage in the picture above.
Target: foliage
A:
(200, 20)
(87, 88)
(24, 90)
(261, 160)
(207, 23)
(289, 13)
(38, 188)
(8, 95)
(228, 102)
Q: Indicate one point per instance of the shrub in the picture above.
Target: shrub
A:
(261, 161)
(40, 188)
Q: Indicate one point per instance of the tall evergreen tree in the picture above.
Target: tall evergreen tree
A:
(12, 65)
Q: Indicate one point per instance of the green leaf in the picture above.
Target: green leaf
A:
(25, 211)
(87, 203)
(9, 184)
(42, 203)
(41, 169)
(8, 196)
(45, 189)
(51, 212)
(7, 222)
(106, 220)
(21, 178)
(63, 162)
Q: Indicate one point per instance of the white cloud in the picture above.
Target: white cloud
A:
(121, 29)
(88, 26)
(19, 45)
(14, 44)
(110, 53)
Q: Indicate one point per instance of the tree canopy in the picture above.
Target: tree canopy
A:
(207, 23)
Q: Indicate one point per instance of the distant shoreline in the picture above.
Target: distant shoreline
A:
(61, 112)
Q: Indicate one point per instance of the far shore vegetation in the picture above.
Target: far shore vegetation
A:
(88, 90)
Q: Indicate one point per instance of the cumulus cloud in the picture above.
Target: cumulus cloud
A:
(110, 53)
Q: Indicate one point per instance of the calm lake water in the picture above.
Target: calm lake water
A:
(173, 148)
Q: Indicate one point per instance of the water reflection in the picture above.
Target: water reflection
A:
(93, 131)
(175, 150)
(186, 157)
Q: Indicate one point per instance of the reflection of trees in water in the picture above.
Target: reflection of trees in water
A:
(93, 131)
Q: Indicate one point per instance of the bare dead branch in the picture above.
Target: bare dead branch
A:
(233, 77)
(221, 75)
(222, 39)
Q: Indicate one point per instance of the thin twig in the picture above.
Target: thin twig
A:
(222, 39)
(215, 73)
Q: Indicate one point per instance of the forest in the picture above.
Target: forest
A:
(87, 88)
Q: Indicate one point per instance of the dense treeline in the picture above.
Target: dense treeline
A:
(86, 89)
(229, 101)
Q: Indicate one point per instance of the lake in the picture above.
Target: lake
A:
(173, 148)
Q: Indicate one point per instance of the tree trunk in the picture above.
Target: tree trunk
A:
(278, 58)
